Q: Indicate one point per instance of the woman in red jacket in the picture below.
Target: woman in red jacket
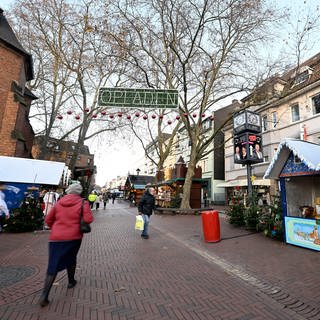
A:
(65, 237)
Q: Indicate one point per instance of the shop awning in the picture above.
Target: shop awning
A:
(308, 153)
(243, 183)
(22, 170)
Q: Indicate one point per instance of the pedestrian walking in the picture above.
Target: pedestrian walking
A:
(145, 208)
(105, 200)
(65, 237)
(113, 196)
(98, 200)
(92, 198)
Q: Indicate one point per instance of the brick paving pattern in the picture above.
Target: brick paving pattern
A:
(173, 275)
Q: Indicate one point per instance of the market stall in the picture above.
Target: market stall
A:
(297, 166)
(135, 186)
(20, 175)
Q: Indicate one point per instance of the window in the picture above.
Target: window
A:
(274, 119)
(316, 104)
(265, 123)
(295, 113)
(301, 77)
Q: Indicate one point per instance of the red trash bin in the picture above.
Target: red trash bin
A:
(211, 226)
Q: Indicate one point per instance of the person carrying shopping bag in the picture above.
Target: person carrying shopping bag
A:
(65, 237)
(145, 208)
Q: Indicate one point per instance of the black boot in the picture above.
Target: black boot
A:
(46, 290)
(72, 282)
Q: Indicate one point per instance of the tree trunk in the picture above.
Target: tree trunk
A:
(185, 202)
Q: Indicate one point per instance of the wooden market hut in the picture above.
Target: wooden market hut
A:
(135, 186)
(170, 186)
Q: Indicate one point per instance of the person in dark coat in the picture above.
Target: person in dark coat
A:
(145, 208)
(65, 237)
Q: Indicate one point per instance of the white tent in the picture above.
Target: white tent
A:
(24, 170)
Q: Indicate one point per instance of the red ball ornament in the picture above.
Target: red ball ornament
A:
(137, 114)
(161, 116)
(169, 122)
(203, 115)
(94, 115)
(128, 117)
(60, 117)
(119, 114)
(111, 116)
(69, 112)
(186, 114)
(86, 109)
(103, 113)
(194, 115)
(145, 117)
(153, 116)
(178, 118)
(77, 117)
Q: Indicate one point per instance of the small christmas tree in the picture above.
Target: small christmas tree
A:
(28, 217)
(236, 211)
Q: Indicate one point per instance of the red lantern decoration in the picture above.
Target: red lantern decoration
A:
(161, 116)
(169, 122)
(94, 115)
(77, 117)
(128, 117)
(145, 117)
(60, 117)
(69, 112)
(186, 114)
(194, 115)
(153, 116)
(137, 114)
(86, 109)
(119, 114)
(178, 117)
(203, 115)
(111, 116)
(103, 113)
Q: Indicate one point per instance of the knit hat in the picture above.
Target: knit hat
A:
(74, 188)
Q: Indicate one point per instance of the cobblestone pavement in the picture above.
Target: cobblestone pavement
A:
(172, 275)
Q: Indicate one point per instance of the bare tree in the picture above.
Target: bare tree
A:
(73, 59)
(203, 48)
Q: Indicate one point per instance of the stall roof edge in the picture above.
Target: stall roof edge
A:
(308, 152)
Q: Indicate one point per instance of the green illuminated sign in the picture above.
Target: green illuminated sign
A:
(130, 98)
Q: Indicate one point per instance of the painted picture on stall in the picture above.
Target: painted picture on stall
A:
(304, 233)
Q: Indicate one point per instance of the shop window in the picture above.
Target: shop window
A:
(316, 104)
(295, 113)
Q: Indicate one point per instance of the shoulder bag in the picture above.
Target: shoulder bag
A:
(84, 227)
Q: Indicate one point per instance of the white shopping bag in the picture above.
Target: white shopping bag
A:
(139, 223)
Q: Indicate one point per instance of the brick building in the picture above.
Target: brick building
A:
(16, 69)
(61, 150)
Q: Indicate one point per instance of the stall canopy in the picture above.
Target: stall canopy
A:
(32, 171)
(243, 183)
(307, 152)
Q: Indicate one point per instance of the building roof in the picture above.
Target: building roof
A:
(139, 181)
(8, 37)
(308, 153)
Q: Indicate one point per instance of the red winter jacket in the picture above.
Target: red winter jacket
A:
(64, 218)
